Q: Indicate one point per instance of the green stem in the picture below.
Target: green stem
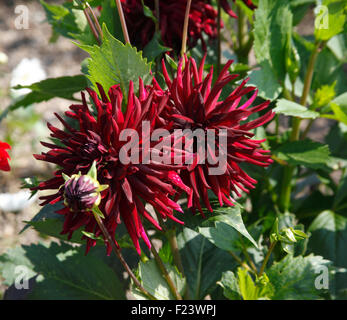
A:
(266, 259)
(171, 235)
(86, 12)
(307, 129)
(286, 187)
(247, 256)
(157, 15)
(242, 34)
(164, 272)
(240, 262)
(185, 28)
(118, 253)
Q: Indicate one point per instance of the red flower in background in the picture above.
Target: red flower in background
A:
(4, 156)
(194, 104)
(130, 186)
(202, 20)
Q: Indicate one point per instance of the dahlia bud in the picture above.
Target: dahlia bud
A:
(82, 192)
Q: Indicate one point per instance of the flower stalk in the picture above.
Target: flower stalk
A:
(266, 259)
(185, 28)
(120, 256)
(164, 272)
(122, 21)
(93, 23)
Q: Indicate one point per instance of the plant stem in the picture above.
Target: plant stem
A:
(185, 28)
(242, 34)
(307, 129)
(249, 259)
(286, 187)
(157, 15)
(240, 262)
(171, 235)
(122, 21)
(91, 25)
(164, 272)
(96, 21)
(219, 43)
(262, 268)
(118, 253)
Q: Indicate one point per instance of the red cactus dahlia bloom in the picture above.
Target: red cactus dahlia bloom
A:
(202, 19)
(194, 104)
(4, 156)
(98, 139)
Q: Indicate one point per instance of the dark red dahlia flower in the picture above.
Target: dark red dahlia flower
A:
(99, 139)
(194, 104)
(4, 156)
(202, 20)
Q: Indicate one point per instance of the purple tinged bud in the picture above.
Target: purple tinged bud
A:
(81, 193)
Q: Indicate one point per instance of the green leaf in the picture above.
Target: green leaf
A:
(154, 282)
(330, 19)
(329, 238)
(272, 31)
(109, 15)
(339, 114)
(47, 212)
(62, 87)
(68, 22)
(154, 48)
(338, 47)
(290, 108)
(230, 286)
(299, 9)
(148, 12)
(324, 95)
(264, 79)
(337, 139)
(231, 216)
(203, 263)
(243, 286)
(98, 212)
(28, 183)
(50, 223)
(115, 63)
(221, 235)
(340, 200)
(69, 274)
(306, 152)
(293, 278)
(329, 69)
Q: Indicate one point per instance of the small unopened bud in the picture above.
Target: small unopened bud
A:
(80, 193)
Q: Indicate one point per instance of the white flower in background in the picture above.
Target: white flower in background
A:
(14, 202)
(27, 72)
(3, 58)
